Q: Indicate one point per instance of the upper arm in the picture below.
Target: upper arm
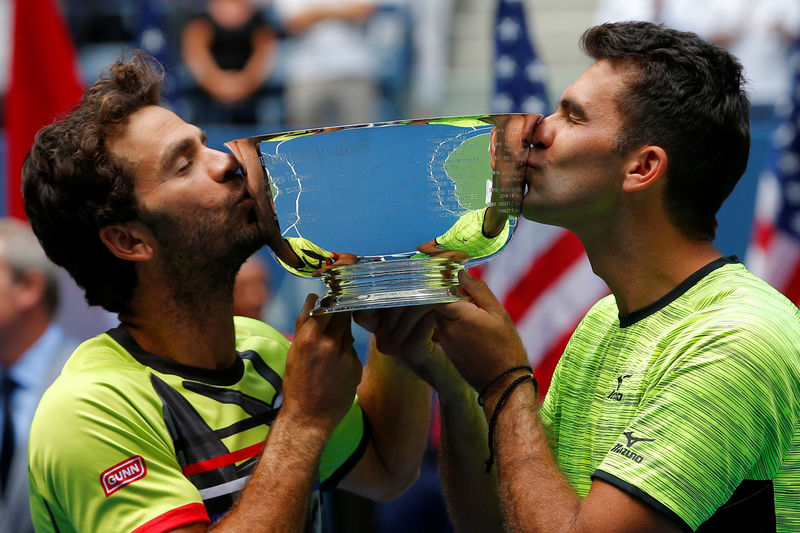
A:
(630, 514)
(720, 412)
(368, 478)
(116, 470)
(196, 38)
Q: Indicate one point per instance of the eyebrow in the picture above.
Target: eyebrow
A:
(173, 151)
(573, 108)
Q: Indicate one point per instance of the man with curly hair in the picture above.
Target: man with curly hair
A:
(185, 415)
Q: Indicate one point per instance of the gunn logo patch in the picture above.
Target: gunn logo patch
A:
(123, 474)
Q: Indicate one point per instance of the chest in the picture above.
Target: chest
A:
(604, 379)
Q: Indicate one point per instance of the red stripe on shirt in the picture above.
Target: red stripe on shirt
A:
(223, 460)
(180, 516)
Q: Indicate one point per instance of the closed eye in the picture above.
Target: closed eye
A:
(184, 167)
(572, 112)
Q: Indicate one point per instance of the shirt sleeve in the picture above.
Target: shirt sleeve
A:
(116, 472)
(720, 409)
(345, 447)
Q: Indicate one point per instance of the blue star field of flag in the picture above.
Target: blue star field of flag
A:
(786, 162)
(519, 74)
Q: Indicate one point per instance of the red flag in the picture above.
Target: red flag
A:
(44, 84)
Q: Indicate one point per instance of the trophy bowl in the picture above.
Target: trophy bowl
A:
(387, 213)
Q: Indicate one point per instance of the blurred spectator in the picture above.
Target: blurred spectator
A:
(685, 15)
(229, 53)
(432, 23)
(251, 291)
(32, 351)
(760, 33)
(101, 29)
(331, 72)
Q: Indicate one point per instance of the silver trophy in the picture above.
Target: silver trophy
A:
(387, 213)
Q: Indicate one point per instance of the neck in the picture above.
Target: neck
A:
(191, 327)
(16, 338)
(643, 268)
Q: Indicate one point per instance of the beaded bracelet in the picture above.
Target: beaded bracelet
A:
(500, 375)
(500, 402)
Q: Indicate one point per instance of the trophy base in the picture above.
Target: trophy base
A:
(393, 283)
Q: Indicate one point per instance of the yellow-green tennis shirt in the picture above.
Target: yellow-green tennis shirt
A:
(127, 441)
(691, 404)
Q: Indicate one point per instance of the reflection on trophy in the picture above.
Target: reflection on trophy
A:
(387, 213)
(476, 234)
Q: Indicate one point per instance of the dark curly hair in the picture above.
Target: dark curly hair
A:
(73, 186)
(687, 97)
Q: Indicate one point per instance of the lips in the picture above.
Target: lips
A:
(244, 198)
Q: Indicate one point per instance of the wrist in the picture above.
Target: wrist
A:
(456, 393)
(311, 427)
(494, 387)
(493, 395)
(523, 396)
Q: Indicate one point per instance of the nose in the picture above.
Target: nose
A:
(222, 166)
(543, 134)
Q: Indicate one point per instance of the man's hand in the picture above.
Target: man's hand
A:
(322, 368)
(478, 336)
(343, 258)
(407, 333)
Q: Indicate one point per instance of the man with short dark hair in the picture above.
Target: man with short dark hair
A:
(676, 403)
(184, 415)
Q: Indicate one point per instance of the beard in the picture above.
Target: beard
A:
(199, 257)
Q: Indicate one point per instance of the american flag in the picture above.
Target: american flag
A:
(774, 251)
(542, 276)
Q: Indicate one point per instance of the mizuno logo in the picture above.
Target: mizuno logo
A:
(123, 474)
(626, 451)
(622, 450)
(633, 440)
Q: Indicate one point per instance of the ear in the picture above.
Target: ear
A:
(646, 166)
(127, 241)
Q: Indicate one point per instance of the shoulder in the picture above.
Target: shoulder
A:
(251, 329)
(100, 378)
(270, 344)
(735, 303)
(103, 399)
(200, 22)
(603, 314)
